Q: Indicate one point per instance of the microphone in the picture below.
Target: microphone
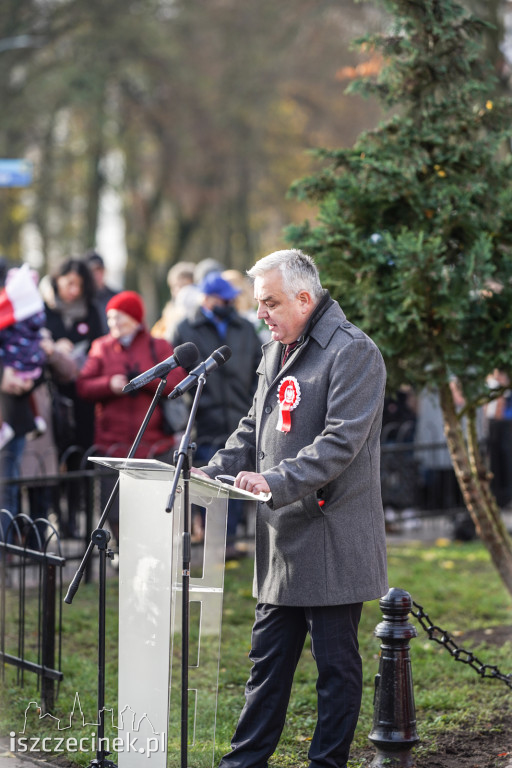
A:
(184, 356)
(219, 357)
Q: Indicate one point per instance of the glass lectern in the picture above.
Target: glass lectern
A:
(150, 615)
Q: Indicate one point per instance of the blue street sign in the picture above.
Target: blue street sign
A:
(15, 173)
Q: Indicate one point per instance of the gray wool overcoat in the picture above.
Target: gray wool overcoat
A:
(309, 554)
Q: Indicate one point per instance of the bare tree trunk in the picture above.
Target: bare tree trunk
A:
(185, 227)
(96, 178)
(480, 471)
(43, 200)
(474, 482)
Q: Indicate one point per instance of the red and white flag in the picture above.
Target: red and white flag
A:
(20, 298)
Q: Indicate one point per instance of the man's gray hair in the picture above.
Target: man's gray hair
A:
(299, 272)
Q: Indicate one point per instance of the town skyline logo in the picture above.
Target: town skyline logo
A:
(135, 734)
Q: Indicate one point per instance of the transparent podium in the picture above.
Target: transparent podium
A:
(150, 614)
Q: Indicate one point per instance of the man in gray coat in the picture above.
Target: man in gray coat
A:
(311, 440)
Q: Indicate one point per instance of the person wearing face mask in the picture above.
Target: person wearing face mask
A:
(226, 396)
(125, 352)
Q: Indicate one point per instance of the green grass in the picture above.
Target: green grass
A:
(455, 583)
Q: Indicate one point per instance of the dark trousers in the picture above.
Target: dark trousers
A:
(278, 638)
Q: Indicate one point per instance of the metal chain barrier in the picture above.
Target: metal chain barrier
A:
(444, 638)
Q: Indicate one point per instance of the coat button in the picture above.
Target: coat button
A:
(261, 455)
(268, 409)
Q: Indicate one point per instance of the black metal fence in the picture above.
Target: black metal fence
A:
(419, 482)
(69, 500)
(30, 601)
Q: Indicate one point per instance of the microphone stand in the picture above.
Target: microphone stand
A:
(183, 462)
(100, 538)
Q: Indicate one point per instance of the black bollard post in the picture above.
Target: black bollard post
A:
(394, 714)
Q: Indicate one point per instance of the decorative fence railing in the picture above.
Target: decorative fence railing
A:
(31, 601)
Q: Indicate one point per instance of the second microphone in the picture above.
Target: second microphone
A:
(216, 359)
(184, 357)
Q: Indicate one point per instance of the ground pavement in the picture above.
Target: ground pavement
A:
(10, 760)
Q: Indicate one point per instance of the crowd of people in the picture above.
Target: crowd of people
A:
(71, 345)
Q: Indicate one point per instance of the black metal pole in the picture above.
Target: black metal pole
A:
(181, 455)
(183, 462)
(100, 537)
(185, 613)
(48, 635)
(394, 714)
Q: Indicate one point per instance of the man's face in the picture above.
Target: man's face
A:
(286, 317)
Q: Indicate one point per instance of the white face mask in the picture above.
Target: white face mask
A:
(127, 338)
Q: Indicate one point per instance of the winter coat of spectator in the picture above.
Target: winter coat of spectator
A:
(127, 351)
(227, 395)
(71, 313)
(40, 456)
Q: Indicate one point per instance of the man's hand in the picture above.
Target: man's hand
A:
(199, 472)
(252, 482)
(13, 384)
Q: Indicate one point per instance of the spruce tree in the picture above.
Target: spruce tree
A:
(414, 228)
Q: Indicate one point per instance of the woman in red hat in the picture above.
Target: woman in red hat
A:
(125, 352)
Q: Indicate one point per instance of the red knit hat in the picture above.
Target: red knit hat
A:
(128, 302)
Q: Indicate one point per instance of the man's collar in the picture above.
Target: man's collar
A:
(323, 305)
